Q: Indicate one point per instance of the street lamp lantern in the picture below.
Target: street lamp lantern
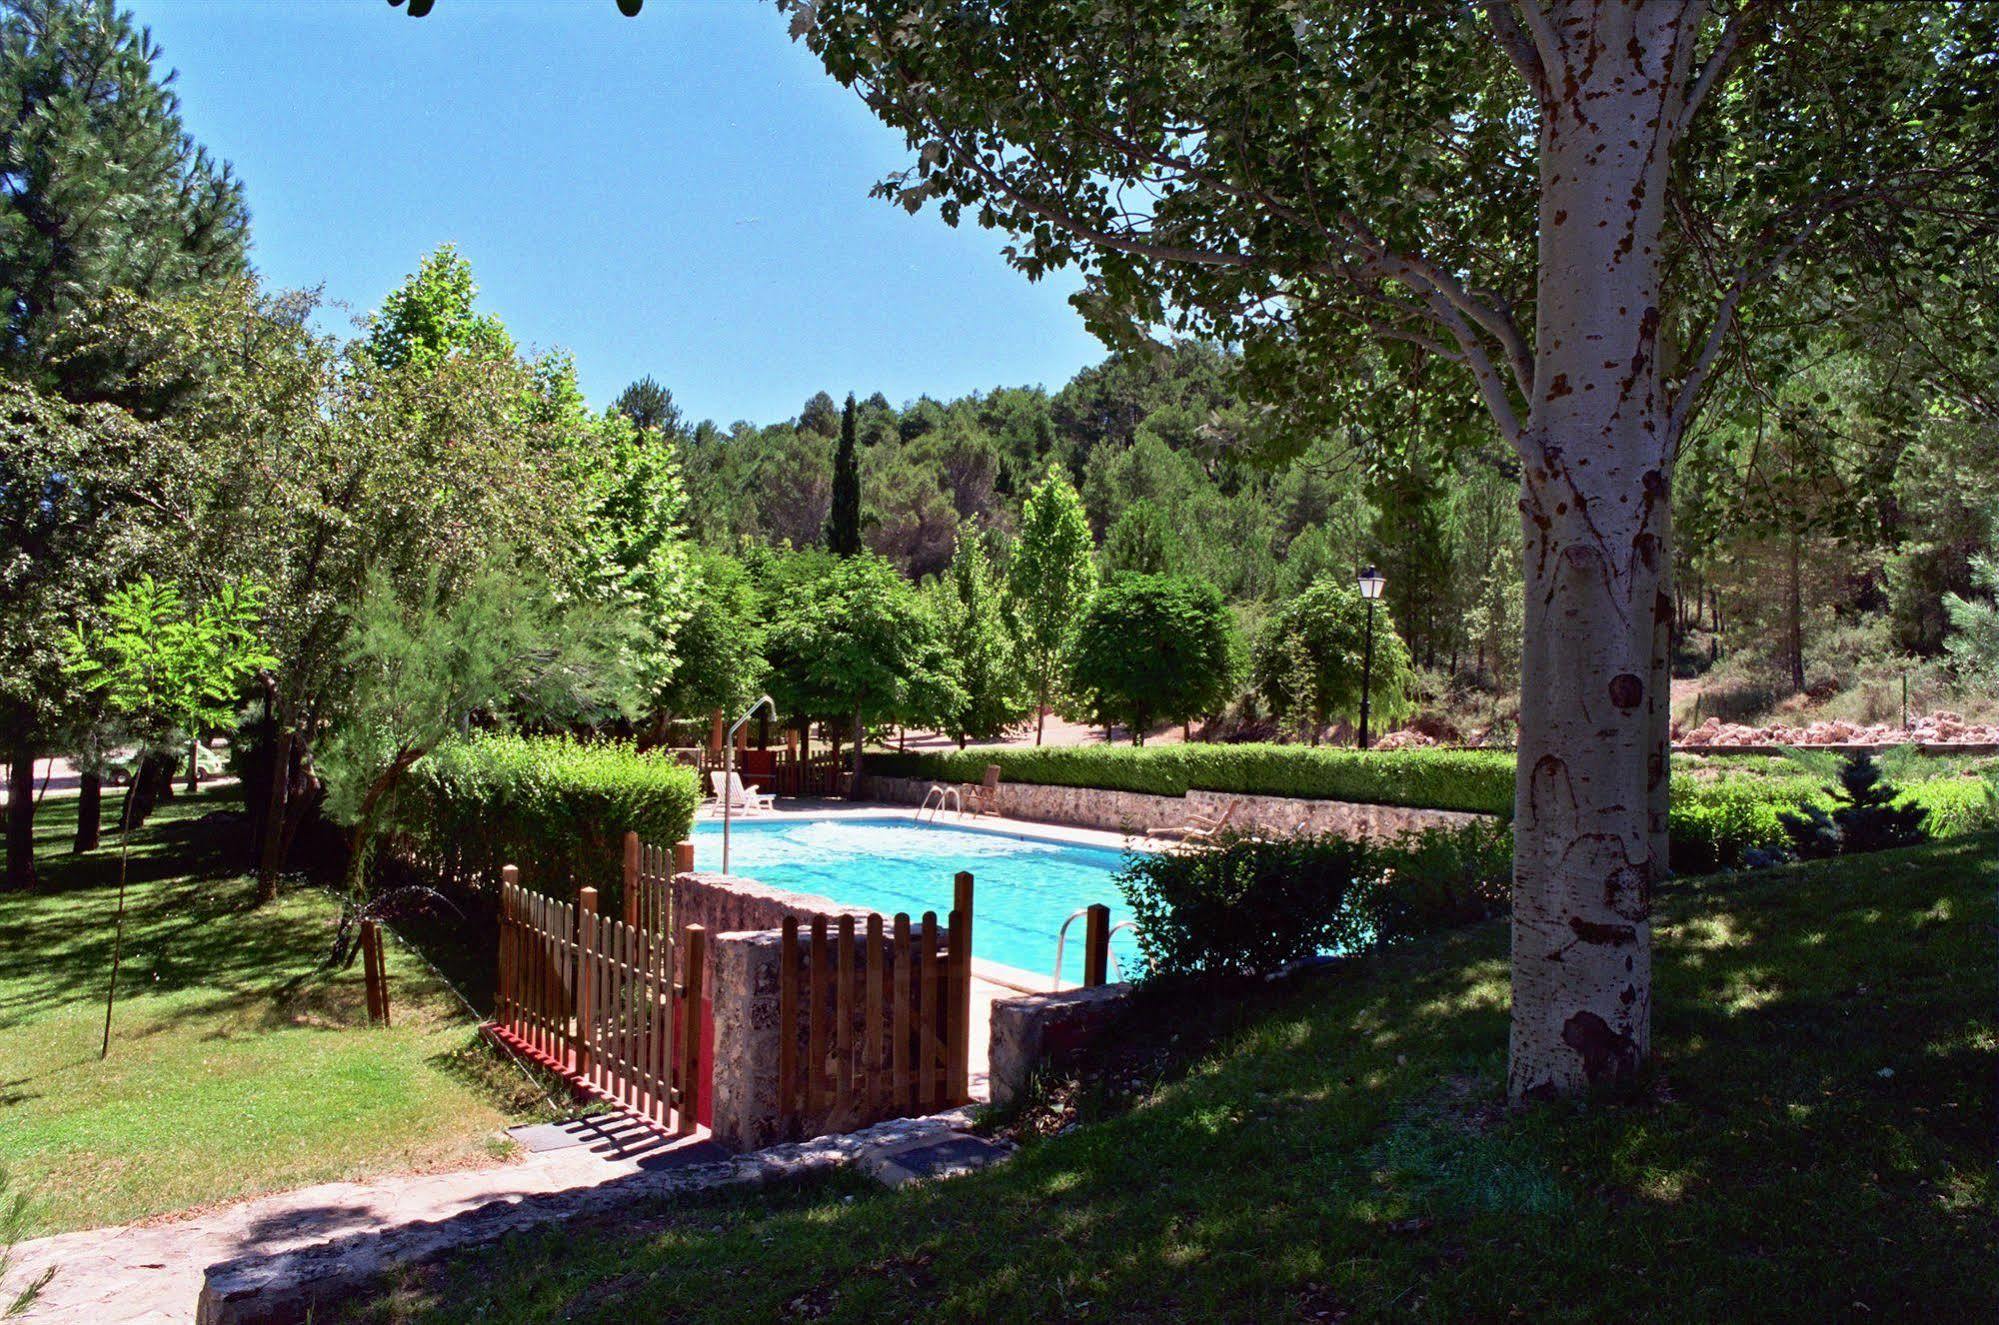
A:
(1372, 582)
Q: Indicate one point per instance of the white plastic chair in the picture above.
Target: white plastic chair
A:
(738, 796)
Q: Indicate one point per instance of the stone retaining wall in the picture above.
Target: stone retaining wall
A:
(1141, 813)
(1046, 1030)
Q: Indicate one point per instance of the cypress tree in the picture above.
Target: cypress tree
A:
(843, 525)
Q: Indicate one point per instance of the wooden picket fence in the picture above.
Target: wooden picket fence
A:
(648, 882)
(875, 1031)
(616, 1007)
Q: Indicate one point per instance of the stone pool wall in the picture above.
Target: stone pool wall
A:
(1142, 814)
(722, 903)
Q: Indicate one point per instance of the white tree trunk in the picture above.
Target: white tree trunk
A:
(1590, 798)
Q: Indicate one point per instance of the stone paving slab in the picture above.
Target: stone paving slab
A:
(950, 1155)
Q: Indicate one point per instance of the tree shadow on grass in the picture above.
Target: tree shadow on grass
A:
(1351, 1153)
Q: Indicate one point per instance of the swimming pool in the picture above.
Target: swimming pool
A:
(1024, 888)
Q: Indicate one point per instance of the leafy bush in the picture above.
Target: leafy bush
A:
(1439, 877)
(1717, 825)
(1723, 809)
(556, 807)
(1243, 906)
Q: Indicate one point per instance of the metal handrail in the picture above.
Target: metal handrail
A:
(943, 795)
(1131, 925)
(1062, 939)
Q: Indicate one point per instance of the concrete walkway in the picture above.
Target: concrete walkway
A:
(152, 1273)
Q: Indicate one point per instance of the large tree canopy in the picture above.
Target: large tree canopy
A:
(1584, 209)
(101, 188)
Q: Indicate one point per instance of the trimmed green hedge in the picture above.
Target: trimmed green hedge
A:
(1475, 780)
(556, 807)
(1715, 820)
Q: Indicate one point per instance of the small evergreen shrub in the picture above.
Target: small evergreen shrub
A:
(556, 807)
(1865, 815)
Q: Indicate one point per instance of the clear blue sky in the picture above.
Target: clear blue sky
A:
(683, 194)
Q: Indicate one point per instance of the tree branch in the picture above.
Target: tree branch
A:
(1719, 62)
(1519, 47)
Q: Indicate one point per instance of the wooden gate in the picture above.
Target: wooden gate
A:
(874, 1017)
(617, 1008)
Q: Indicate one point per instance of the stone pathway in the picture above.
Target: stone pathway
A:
(153, 1272)
(278, 1257)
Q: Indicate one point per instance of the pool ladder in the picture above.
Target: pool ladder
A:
(937, 799)
(1062, 941)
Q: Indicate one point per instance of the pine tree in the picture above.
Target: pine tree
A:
(843, 525)
(1865, 816)
(650, 407)
(106, 191)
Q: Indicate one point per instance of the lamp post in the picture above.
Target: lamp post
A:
(1371, 584)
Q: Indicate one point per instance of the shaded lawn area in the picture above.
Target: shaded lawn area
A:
(1816, 1142)
(236, 1067)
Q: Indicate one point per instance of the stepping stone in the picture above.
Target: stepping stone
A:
(949, 1156)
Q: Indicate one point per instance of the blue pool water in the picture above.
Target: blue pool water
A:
(1023, 889)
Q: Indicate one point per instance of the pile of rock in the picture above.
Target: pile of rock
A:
(1941, 728)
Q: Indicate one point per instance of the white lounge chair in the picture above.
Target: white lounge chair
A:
(736, 795)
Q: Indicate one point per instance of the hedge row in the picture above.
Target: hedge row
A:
(1715, 822)
(1475, 780)
(556, 807)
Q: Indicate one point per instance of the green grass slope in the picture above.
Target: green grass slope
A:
(236, 1066)
(1815, 1143)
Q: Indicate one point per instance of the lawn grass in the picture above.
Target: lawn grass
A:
(1815, 1142)
(236, 1067)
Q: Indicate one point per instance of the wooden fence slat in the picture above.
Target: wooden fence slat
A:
(926, 1018)
(843, 1017)
(902, 1081)
(815, 1019)
(874, 971)
(787, 1018)
(958, 1081)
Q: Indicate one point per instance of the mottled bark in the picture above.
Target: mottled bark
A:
(1590, 801)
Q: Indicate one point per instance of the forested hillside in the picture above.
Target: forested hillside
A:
(1830, 535)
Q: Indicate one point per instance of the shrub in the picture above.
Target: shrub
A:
(558, 808)
(1865, 815)
(1717, 825)
(1439, 877)
(1244, 906)
(1724, 808)
(1474, 780)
